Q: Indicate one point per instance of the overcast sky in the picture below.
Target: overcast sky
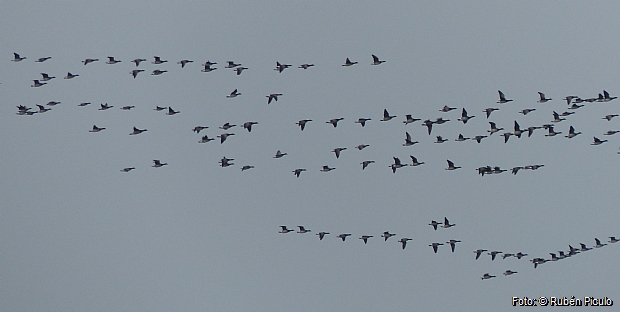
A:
(80, 235)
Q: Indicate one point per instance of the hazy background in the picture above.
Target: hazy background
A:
(78, 235)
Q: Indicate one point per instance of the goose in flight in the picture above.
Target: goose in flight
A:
(273, 97)
(598, 141)
(387, 235)
(128, 107)
(343, 236)
(610, 116)
(409, 119)
(365, 163)
(607, 98)
(479, 252)
(297, 172)
(135, 72)
(349, 63)
(494, 128)
(326, 169)
(17, 58)
(138, 61)
(70, 75)
(159, 108)
(502, 98)
(43, 59)
(96, 129)
(452, 243)
(37, 83)
(493, 254)
(42, 109)
(239, 70)
(612, 239)
(208, 68)
(302, 229)
(127, 169)
(137, 131)
(446, 223)
(428, 124)
(227, 126)
(506, 136)
(434, 224)
(362, 121)
(158, 72)
(552, 132)
(302, 123)
(441, 121)
(89, 60)
(279, 154)
(527, 111)
(46, 77)
(232, 64)
(518, 130)
(225, 162)
(337, 151)
(197, 129)
(403, 241)
(397, 164)
(556, 117)
(233, 94)
(305, 66)
(598, 243)
(451, 167)
(171, 111)
(408, 141)
(487, 276)
(464, 118)
(584, 247)
(248, 125)
(247, 167)
(157, 163)
(415, 162)
(489, 110)
(112, 61)
(365, 238)
(506, 255)
(520, 255)
(446, 109)
(105, 106)
(386, 116)
(281, 67)
(224, 136)
(158, 60)
(376, 61)
(285, 229)
(205, 139)
(543, 99)
(571, 133)
(184, 62)
(322, 234)
(334, 121)
(461, 138)
(440, 139)
(435, 246)
(362, 146)
(479, 138)
(509, 272)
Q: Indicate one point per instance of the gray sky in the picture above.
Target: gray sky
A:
(78, 235)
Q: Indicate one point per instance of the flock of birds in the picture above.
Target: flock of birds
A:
(452, 242)
(573, 103)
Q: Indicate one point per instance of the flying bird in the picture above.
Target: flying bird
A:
(376, 61)
(502, 98)
(302, 123)
(272, 97)
(349, 63)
